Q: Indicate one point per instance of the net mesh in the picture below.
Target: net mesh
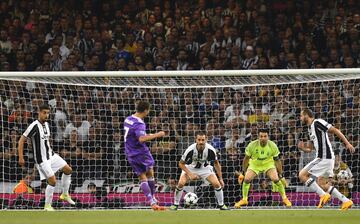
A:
(86, 121)
(233, 81)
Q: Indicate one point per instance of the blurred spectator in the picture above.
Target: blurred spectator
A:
(5, 43)
(60, 120)
(167, 144)
(290, 155)
(237, 117)
(19, 116)
(208, 105)
(258, 116)
(11, 98)
(23, 187)
(92, 153)
(188, 136)
(117, 156)
(215, 138)
(71, 149)
(343, 176)
(249, 58)
(280, 112)
(235, 142)
(165, 153)
(80, 125)
(58, 96)
(235, 107)
(8, 155)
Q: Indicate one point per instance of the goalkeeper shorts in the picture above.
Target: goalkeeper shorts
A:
(261, 168)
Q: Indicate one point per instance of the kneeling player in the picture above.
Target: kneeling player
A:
(262, 155)
(195, 164)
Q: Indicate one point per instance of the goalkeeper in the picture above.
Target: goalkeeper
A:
(262, 155)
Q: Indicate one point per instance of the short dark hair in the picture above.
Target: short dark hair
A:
(197, 133)
(44, 107)
(141, 106)
(264, 130)
(308, 112)
(91, 184)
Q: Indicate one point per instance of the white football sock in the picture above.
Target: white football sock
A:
(65, 182)
(49, 192)
(311, 183)
(178, 194)
(219, 196)
(336, 194)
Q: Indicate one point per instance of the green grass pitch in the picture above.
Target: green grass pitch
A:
(181, 217)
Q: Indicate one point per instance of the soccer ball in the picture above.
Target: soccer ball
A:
(343, 174)
(190, 199)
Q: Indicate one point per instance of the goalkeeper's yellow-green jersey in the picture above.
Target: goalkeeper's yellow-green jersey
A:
(259, 155)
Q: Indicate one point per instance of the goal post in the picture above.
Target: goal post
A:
(88, 110)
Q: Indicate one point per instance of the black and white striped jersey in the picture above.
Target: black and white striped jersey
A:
(248, 62)
(319, 136)
(39, 134)
(199, 159)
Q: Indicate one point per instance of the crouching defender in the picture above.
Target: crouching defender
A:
(195, 164)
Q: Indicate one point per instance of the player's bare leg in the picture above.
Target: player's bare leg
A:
(49, 193)
(214, 181)
(249, 176)
(179, 191)
(274, 177)
(326, 185)
(65, 183)
(310, 182)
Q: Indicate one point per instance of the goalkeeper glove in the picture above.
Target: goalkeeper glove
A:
(240, 177)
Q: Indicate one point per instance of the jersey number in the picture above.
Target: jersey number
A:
(126, 133)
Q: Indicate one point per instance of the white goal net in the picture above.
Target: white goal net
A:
(86, 122)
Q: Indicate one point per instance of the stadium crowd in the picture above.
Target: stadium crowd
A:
(90, 35)
(171, 35)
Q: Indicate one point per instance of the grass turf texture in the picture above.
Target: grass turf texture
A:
(181, 217)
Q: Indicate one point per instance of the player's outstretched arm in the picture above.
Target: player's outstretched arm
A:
(21, 151)
(339, 134)
(146, 138)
